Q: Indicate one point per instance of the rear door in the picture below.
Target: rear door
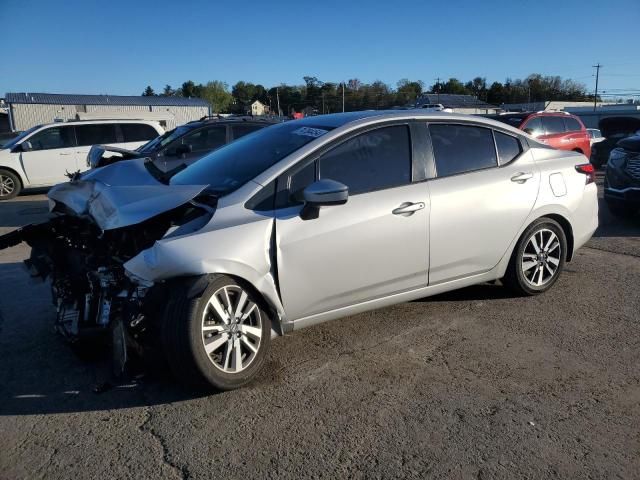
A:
(485, 187)
(555, 132)
(53, 154)
(363, 249)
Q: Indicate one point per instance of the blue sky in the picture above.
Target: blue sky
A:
(119, 47)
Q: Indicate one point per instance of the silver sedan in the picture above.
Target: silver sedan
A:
(320, 218)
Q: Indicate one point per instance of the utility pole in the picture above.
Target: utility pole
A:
(342, 97)
(278, 99)
(323, 103)
(595, 96)
(438, 87)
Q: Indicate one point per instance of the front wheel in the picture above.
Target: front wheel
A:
(10, 185)
(538, 258)
(220, 338)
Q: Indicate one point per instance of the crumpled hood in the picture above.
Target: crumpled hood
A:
(121, 194)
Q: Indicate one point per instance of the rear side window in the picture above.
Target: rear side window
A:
(204, 139)
(242, 130)
(508, 147)
(553, 125)
(461, 148)
(96, 134)
(371, 161)
(137, 132)
(572, 125)
(51, 138)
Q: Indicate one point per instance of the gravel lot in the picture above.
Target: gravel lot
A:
(471, 384)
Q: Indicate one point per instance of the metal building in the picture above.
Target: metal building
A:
(29, 109)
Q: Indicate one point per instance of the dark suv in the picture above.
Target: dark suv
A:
(184, 144)
(622, 179)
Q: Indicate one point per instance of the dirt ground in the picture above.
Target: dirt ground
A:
(471, 384)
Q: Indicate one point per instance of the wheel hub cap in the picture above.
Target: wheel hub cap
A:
(541, 257)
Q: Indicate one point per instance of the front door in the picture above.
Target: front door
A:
(479, 200)
(370, 247)
(52, 155)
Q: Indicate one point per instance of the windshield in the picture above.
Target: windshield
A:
(163, 139)
(12, 143)
(231, 166)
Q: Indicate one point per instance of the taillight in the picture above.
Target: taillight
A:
(588, 170)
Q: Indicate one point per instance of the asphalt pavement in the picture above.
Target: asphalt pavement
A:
(470, 384)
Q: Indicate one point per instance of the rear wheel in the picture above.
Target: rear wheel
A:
(538, 258)
(10, 185)
(220, 339)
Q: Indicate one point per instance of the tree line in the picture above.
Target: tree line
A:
(327, 97)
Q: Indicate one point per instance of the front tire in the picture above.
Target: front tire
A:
(219, 339)
(10, 185)
(538, 258)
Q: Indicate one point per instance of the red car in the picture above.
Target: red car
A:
(557, 129)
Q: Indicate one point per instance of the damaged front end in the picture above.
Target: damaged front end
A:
(93, 231)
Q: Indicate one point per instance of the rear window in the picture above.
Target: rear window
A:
(96, 134)
(553, 125)
(137, 132)
(572, 124)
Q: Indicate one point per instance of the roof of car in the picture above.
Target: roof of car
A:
(336, 120)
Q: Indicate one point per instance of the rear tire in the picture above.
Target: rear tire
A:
(538, 258)
(10, 185)
(219, 339)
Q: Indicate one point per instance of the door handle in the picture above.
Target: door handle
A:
(522, 177)
(61, 153)
(408, 208)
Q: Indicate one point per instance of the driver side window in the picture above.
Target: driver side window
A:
(52, 138)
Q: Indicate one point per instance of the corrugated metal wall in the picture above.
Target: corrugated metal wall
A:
(25, 116)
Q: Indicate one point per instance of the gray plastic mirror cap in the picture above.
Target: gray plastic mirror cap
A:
(326, 192)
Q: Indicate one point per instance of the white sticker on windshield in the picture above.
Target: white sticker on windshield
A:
(310, 132)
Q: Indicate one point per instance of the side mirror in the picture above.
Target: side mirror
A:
(322, 193)
(26, 146)
(529, 131)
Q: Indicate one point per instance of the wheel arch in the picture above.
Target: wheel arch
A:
(566, 228)
(195, 285)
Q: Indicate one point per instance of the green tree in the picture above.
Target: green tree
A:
(148, 92)
(218, 95)
(190, 89)
(168, 91)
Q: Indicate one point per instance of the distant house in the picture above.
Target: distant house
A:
(29, 109)
(456, 103)
(258, 108)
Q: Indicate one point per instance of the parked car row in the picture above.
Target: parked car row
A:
(43, 155)
(184, 145)
(275, 231)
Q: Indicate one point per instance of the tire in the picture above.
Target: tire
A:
(621, 210)
(204, 351)
(533, 280)
(10, 185)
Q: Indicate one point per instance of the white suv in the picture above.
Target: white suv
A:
(44, 154)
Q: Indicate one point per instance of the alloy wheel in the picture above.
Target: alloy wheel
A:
(541, 257)
(231, 329)
(7, 186)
